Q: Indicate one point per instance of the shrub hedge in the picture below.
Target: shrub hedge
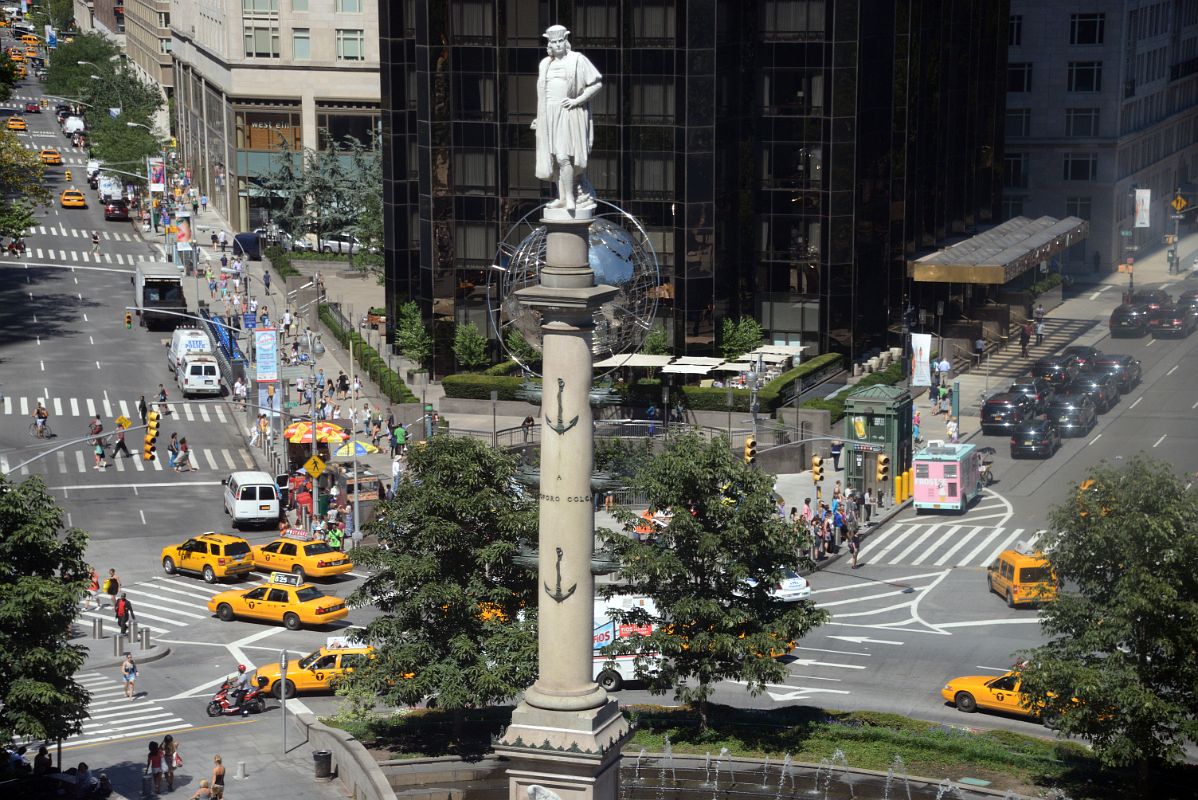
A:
(280, 259)
(891, 375)
(373, 364)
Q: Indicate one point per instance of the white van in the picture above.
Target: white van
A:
(608, 630)
(187, 342)
(251, 497)
(198, 374)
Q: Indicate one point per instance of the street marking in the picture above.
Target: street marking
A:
(204, 413)
(61, 458)
(212, 461)
(931, 529)
(137, 462)
(24, 406)
(228, 459)
(1174, 369)
(161, 485)
(1102, 289)
(8, 404)
(164, 608)
(992, 669)
(91, 407)
(1095, 439)
(811, 662)
(119, 463)
(865, 640)
(867, 585)
(79, 461)
(107, 408)
(143, 516)
(1158, 441)
(929, 551)
(74, 407)
(58, 406)
(1005, 545)
(187, 412)
(1151, 342)
(984, 622)
(837, 652)
(165, 585)
(1136, 403)
(985, 543)
(124, 408)
(220, 414)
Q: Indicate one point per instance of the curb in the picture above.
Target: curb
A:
(154, 654)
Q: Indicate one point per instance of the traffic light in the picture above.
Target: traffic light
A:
(151, 445)
(883, 467)
(750, 449)
(817, 469)
(128, 319)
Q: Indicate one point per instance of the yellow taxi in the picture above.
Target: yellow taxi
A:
(72, 198)
(21, 71)
(3, 23)
(284, 599)
(214, 556)
(1021, 577)
(295, 551)
(51, 157)
(971, 692)
(29, 39)
(30, 53)
(16, 56)
(315, 672)
(16, 124)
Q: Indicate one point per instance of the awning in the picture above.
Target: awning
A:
(705, 361)
(688, 369)
(734, 366)
(784, 349)
(1001, 253)
(772, 358)
(635, 360)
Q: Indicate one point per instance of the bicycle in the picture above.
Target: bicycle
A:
(46, 432)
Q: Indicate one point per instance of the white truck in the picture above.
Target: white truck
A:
(198, 374)
(158, 294)
(608, 630)
(187, 341)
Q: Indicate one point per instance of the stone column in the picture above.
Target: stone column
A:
(566, 734)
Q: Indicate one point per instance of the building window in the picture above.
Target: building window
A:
(652, 100)
(1079, 207)
(1086, 28)
(1012, 206)
(792, 20)
(1081, 166)
(349, 6)
(1015, 31)
(653, 22)
(301, 43)
(596, 24)
(789, 92)
(261, 41)
(164, 46)
(351, 45)
(164, 19)
(474, 172)
(299, 5)
(260, 6)
(476, 241)
(1019, 77)
(1015, 171)
(1085, 76)
(653, 176)
(473, 22)
(474, 95)
(1081, 122)
(1019, 122)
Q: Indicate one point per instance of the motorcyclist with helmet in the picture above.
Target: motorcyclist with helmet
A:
(241, 685)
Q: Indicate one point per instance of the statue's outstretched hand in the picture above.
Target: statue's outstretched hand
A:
(570, 102)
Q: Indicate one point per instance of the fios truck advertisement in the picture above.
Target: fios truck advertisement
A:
(608, 630)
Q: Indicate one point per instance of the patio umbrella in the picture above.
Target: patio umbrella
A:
(301, 432)
(355, 448)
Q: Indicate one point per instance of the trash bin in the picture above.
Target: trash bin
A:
(323, 760)
(322, 507)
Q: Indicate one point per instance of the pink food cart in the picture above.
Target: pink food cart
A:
(947, 476)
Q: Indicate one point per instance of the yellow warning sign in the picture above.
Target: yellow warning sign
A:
(314, 466)
(123, 421)
(1179, 204)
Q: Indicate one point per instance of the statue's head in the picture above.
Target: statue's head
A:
(559, 42)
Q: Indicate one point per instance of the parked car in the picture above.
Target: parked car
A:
(1081, 354)
(116, 209)
(249, 245)
(1038, 436)
(1125, 369)
(1101, 386)
(1003, 412)
(1153, 298)
(1073, 413)
(1171, 320)
(1129, 320)
(1057, 370)
(343, 243)
(1039, 390)
(284, 240)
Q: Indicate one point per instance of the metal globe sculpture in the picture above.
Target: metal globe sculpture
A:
(620, 255)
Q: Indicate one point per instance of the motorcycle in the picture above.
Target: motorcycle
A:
(224, 704)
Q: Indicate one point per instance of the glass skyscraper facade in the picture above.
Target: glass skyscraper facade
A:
(786, 156)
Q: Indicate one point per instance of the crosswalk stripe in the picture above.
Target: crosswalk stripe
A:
(973, 554)
(145, 604)
(74, 255)
(192, 590)
(139, 464)
(894, 542)
(78, 461)
(7, 404)
(4, 464)
(119, 463)
(58, 406)
(187, 412)
(105, 235)
(37, 252)
(61, 458)
(107, 258)
(211, 461)
(948, 537)
(1006, 544)
(157, 462)
(107, 408)
(961, 542)
(220, 414)
(173, 725)
(204, 413)
(124, 408)
(228, 459)
(24, 406)
(91, 407)
(108, 619)
(248, 459)
(74, 407)
(156, 714)
(898, 559)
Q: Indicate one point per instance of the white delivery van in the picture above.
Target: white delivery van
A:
(109, 188)
(608, 630)
(251, 497)
(198, 374)
(73, 125)
(187, 342)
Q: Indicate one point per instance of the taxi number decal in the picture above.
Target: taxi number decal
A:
(320, 676)
(249, 603)
(999, 697)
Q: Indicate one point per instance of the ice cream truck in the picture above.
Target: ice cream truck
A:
(947, 476)
(608, 630)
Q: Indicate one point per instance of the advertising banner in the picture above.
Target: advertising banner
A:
(156, 175)
(1143, 203)
(266, 346)
(921, 359)
(183, 234)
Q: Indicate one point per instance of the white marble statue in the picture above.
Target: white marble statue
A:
(565, 84)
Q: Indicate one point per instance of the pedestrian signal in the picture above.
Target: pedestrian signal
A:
(817, 469)
(883, 473)
(128, 319)
(750, 449)
(151, 442)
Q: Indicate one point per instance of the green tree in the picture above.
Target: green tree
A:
(656, 343)
(469, 346)
(21, 171)
(709, 574)
(411, 336)
(8, 77)
(16, 218)
(519, 348)
(456, 614)
(65, 76)
(114, 142)
(1119, 667)
(43, 576)
(738, 337)
(61, 14)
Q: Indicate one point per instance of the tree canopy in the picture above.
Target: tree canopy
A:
(709, 574)
(739, 336)
(411, 336)
(1119, 668)
(21, 171)
(469, 346)
(43, 576)
(457, 614)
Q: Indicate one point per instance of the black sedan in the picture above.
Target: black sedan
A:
(1153, 298)
(1125, 369)
(1101, 386)
(1129, 320)
(1171, 320)
(1037, 437)
(1082, 355)
(1003, 412)
(1057, 370)
(1073, 413)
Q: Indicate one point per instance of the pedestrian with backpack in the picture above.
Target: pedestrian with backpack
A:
(112, 586)
(124, 613)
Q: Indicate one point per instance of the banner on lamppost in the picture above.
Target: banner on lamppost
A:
(921, 359)
(156, 175)
(266, 348)
(1143, 203)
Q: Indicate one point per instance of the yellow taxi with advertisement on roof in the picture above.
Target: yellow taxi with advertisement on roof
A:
(51, 157)
(316, 672)
(300, 552)
(214, 556)
(284, 599)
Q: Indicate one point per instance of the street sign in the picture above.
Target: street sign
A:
(123, 421)
(314, 466)
(1132, 248)
(1125, 234)
(293, 372)
(1179, 203)
(249, 321)
(290, 404)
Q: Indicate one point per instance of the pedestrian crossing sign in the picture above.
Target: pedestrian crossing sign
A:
(314, 466)
(1179, 204)
(123, 421)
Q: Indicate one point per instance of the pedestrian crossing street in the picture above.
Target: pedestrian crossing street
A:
(83, 233)
(113, 716)
(77, 462)
(942, 544)
(85, 257)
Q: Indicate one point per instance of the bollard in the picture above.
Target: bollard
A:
(240, 776)
(145, 638)
(118, 645)
(97, 629)
(133, 637)
(147, 786)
